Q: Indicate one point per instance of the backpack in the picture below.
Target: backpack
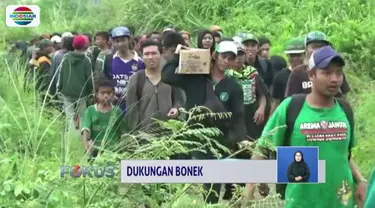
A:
(263, 65)
(43, 76)
(95, 53)
(293, 110)
(107, 66)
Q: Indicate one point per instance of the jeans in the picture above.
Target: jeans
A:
(71, 107)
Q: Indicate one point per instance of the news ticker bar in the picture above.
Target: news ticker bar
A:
(204, 171)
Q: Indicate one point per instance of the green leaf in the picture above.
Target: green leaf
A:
(18, 190)
(7, 187)
(7, 182)
(66, 194)
(26, 190)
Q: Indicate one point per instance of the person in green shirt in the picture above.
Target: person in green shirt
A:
(370, 198)
(102, 123)
(321, 122)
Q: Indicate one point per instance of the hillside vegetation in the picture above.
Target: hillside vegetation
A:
(31, 139)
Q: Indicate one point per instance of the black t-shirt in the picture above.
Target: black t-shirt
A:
(279, 84)
(230, 93)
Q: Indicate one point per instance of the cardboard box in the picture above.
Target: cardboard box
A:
(194, 61)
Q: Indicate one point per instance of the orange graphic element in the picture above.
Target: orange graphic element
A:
(76, 169)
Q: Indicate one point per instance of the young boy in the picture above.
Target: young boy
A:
(121, 64)
(102, 123)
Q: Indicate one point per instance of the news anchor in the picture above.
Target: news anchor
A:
(298, 170)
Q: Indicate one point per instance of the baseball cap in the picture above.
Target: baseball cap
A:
(56, 39)
(322, 57)
(35, 38)
(66, 34)
(45, 36)
(120, 32)
(238, 42)
(316, 36)
(44, 43)
(87, 38)
(215, 28)
(226, 46)
(295, 46)
(245, 36)
(169, 29)
(80, 41)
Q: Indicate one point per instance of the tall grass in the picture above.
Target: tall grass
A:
(31, 135)
(32, 152)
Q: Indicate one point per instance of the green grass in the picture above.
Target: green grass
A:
(32, 138)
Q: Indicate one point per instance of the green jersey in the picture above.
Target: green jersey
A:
(248, 80)
(253, 88)
(328, 129)
(105, 127)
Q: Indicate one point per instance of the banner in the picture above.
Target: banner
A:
(281, 170)
(204, 171)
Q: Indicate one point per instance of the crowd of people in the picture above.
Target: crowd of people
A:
(116, 82)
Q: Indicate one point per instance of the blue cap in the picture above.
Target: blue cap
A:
(322, 57)
(120, 32)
